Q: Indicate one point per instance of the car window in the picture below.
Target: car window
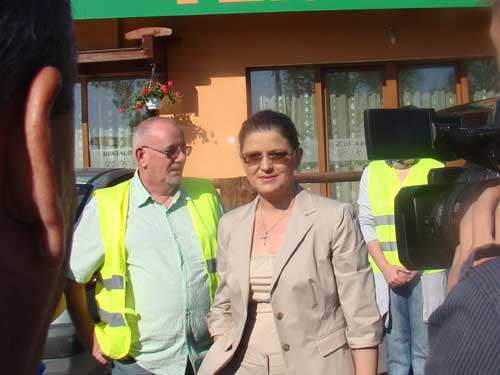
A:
(122, 179)
(83, 193)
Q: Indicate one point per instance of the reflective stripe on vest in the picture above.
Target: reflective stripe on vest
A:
(112, 319)
(113, 332)
(115, 282)
(383, 186)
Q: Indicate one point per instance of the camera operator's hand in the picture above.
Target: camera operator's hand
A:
(395, 275)
(480, 226)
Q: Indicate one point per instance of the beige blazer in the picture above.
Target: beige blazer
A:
(322, 296)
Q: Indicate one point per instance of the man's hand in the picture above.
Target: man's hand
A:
(395, 275)
(411, 277)
(478, 227)
(97, 352)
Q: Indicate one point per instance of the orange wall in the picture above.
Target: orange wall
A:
(209, 55)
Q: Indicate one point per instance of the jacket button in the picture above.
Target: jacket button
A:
(279, 315)
(286, 347)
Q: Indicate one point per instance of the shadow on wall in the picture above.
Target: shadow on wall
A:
(182, 111)
(192, 132)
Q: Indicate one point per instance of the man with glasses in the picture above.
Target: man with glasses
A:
(152, 243)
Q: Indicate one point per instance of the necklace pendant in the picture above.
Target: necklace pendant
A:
(264, 238)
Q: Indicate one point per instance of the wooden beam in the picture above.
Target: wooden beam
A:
(154, 31)
(322, 133)
(390, 92)
(145, 52)
(327, 177)
(464, 82)
(85, 123)
(122, 54)
(237, 191)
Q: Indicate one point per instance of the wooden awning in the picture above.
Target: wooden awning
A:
(147, 50)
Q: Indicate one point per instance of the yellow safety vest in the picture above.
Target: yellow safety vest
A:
(113, 332)
(383, 186)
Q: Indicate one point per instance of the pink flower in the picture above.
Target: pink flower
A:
(144, 91)
(178, 93)
(170, 83)
(150, 89)
(138, 106)
(121, 109)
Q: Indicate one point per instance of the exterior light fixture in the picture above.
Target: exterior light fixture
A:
(392, 36)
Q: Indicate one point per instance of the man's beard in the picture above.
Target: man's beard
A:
(173, 180)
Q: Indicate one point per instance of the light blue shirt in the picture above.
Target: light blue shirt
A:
(168, 286)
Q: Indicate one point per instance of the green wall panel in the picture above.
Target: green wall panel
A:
(97, 9)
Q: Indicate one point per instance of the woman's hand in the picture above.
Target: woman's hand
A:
(365, 360)
(480, 226)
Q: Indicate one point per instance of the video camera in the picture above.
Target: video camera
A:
(427, 217)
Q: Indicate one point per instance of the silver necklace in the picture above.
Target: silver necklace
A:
(265, 236)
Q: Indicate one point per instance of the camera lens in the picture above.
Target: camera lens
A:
(449, 212)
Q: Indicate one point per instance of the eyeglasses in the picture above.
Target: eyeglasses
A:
(253, 159)
(173, 151)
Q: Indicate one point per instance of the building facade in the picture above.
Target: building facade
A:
(322, 67)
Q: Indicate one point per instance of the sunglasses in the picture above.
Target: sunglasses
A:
(172, 152)
(253, 159)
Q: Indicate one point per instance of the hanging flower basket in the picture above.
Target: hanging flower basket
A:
(152, 95)
(153, 103)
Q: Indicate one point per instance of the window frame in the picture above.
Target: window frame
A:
(84, 80)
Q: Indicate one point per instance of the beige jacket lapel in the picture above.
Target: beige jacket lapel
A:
(244, 239)
(300, 223)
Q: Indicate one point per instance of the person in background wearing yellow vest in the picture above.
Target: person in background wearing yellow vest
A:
(37, 200)
(405, 298)
(152, 242)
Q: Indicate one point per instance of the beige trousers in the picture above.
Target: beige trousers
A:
(259, 352)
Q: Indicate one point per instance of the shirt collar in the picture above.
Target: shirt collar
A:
(140, 195)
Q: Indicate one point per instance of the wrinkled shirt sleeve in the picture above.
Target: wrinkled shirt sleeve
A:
(366, 221)
(87, 254)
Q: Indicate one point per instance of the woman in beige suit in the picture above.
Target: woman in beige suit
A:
(296, 293)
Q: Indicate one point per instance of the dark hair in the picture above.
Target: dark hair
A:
(34, 34)
(270, 120)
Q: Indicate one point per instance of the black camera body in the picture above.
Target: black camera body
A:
(427, 217)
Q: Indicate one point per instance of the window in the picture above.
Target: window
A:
(110, 132)
(290, 91)
(484, 79)
(348, 95)
(78, 126)
(428, 87)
